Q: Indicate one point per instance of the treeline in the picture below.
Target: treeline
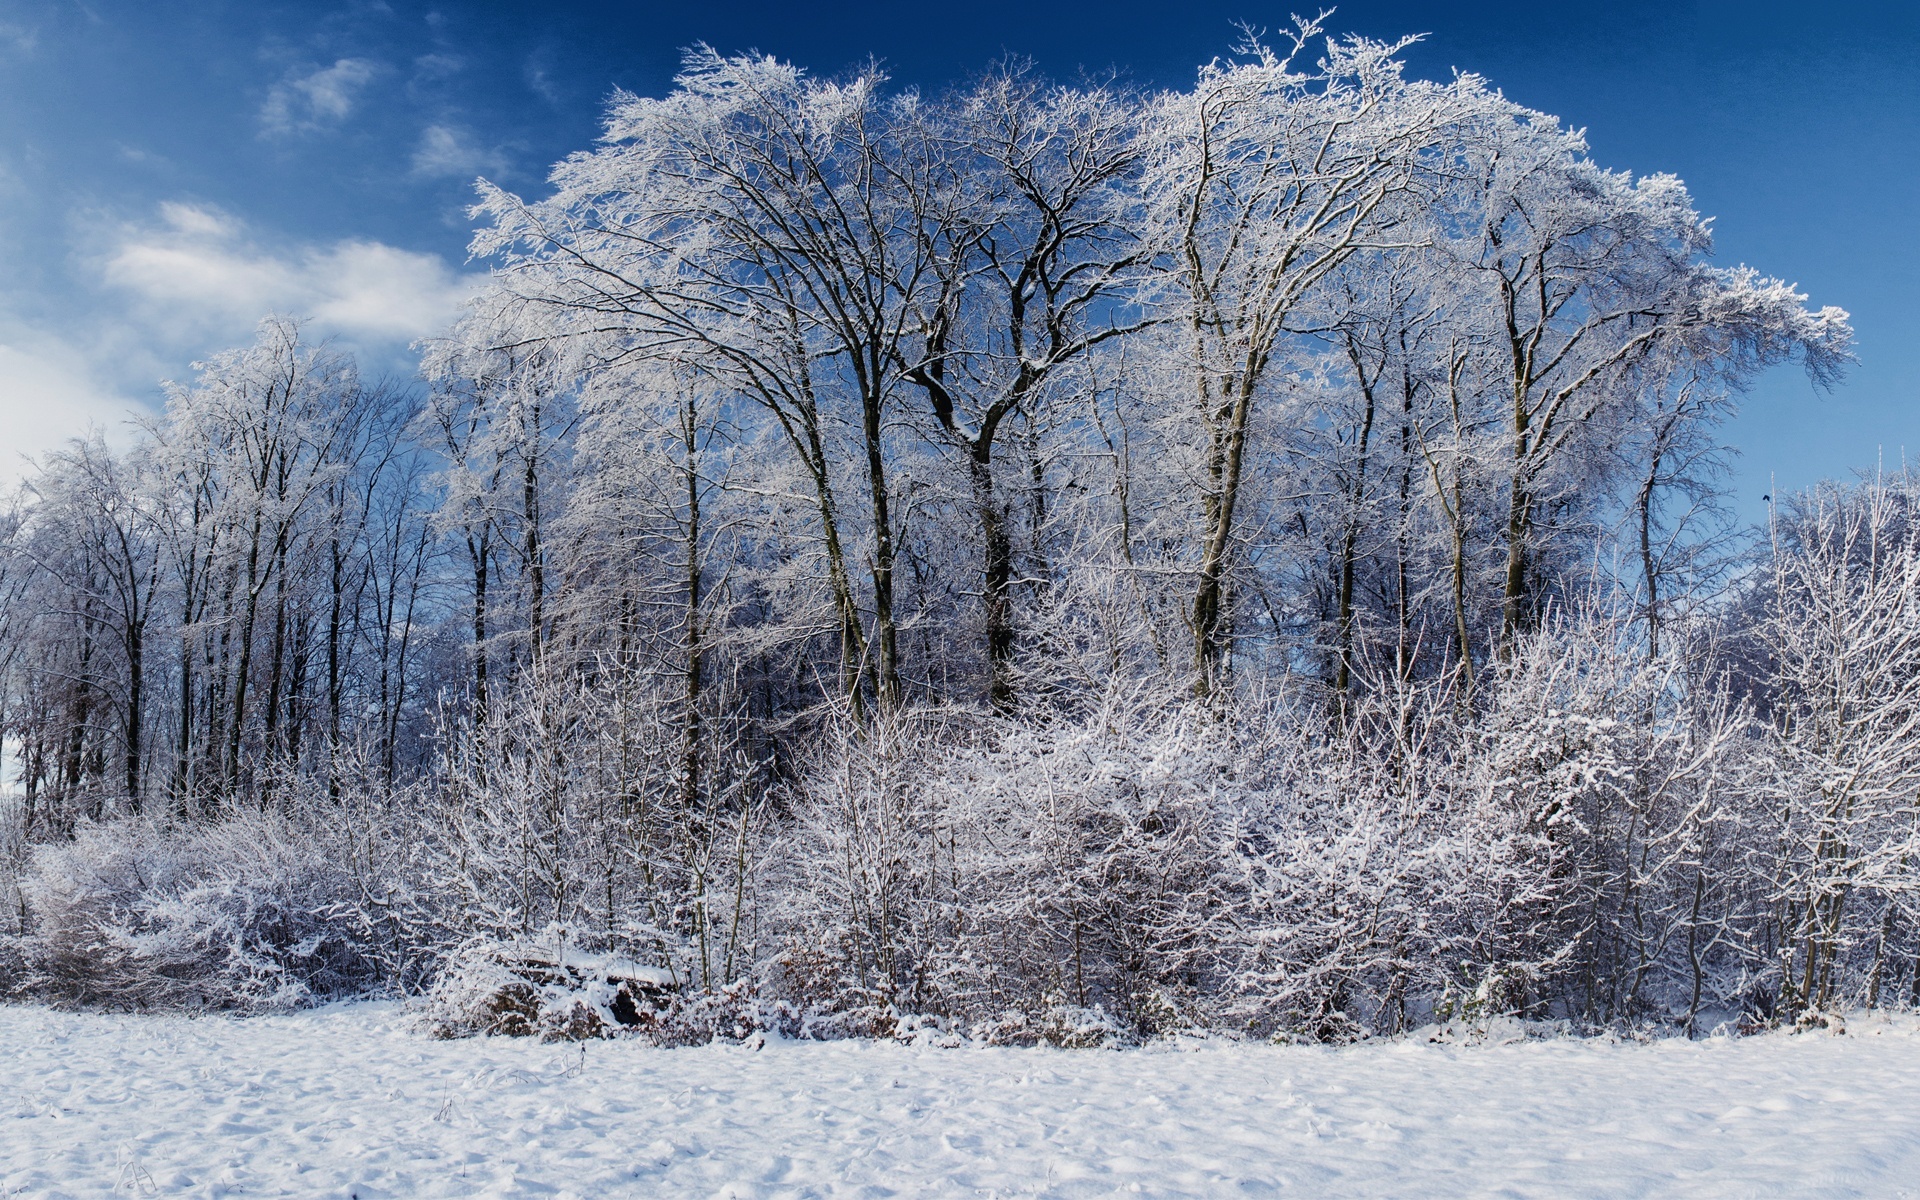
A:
(1247, 557)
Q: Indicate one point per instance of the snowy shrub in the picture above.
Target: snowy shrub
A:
(476, 994)
(522, 990)
(1087, 852)
(733, 1013)
(929, 874)
(573, 806)
(1839, 631)
(550, 988)
(1598, 788)
(858, 879)
(1280, 870)
(1337, 861)
(13, 863)
(1066, 1026)
(14, 853)
(249, 912)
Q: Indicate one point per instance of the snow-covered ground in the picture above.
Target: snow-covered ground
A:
(348, 1101)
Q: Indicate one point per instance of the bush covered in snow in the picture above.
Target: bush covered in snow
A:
(547, 987)
(14, 852)
(251, 912)
(1282, 873)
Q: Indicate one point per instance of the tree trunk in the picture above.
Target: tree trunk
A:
(1343, 669)
(885, 663)
(237, 717)
(997, 592)
(336, 616)
(1513, 608)
(478, 553)
(136, 704)
(1229, 454)
(531, 550)
(696, 662)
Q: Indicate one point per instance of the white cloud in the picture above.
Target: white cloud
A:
(199, 274)
(48, 394)
(372, 288)
(539, 78)
(438, 66)
(445, 150)
(318, 98)
(193, 280)
(145, 158)
(194, 220)
(19, 37)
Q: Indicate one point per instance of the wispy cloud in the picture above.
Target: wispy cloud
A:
(190, 280)
(316, 99)
(538, 75)
(19, 37)
(432, 67)
(447, 150)
(142, 157)
(199, 273)
(48, 394)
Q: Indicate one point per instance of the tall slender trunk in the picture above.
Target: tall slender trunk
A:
(996, 536)
(853, 642)
(1451, 493)
(217, 663)
(194, 579)
(1880, 957)
(885, 663)
(1513, 607)
(1349, 542)
(853, 639)
(399, 697)
(1520, 498)
(1403, 551)
(293, 723)
(276, 663)
(479, 552)
(532, 551)
(1463, 643)
(244, 667)
(696, 660)
(136, 706)
(799, 418)
(997, 577)
(1644, 503)
(73, 758)
(1227, 462)
(336, 618)
(181, 782)
(1042, 570)
(1693, 947)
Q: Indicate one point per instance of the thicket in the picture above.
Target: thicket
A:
(1059, 562)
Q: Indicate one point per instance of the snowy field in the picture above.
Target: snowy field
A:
(348, 1101)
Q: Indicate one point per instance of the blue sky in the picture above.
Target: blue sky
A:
(170, 170)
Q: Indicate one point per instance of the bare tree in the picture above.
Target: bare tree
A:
(1267, 178)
